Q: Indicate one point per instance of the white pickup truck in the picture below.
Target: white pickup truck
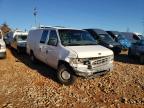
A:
(2, 46)
(72, 52)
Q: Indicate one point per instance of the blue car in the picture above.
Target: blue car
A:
(118, 37)
(137, 49)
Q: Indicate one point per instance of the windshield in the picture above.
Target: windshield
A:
(105, 37)
(22, 37)
(120, 36)
(76, 37)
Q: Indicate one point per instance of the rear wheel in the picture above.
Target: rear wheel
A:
(32, 57)
(65, 75)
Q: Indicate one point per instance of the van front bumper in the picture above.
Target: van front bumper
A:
(96, 71)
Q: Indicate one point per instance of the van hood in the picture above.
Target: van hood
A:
(90, 51)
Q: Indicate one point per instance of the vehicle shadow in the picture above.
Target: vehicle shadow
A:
(124, 58)
(42, 68)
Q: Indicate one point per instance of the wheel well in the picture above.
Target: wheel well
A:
(65, 63)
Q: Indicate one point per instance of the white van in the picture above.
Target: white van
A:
(2, 46)
(70, 51)
(17, 40)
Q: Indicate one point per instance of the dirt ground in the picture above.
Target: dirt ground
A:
(27, 85)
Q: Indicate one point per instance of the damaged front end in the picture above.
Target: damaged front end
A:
(87, 67)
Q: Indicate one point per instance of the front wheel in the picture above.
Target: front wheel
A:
(65, 75)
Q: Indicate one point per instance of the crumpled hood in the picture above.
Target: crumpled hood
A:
(90, 51)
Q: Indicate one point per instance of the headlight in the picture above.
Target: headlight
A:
(84, 61)
(73, 61)
(111, 58)
(111, 46)
(2, 46)
(80, 61)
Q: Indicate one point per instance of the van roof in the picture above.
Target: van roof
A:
(54, 27)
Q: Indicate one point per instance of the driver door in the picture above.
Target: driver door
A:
(51, 51)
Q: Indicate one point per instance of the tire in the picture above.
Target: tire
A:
(32, 58)
(65, 76)
(141, 59)
(129, 53)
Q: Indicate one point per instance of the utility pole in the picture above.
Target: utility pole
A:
(128, 29)
(35, 15)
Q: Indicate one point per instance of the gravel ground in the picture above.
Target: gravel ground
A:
(27, 85)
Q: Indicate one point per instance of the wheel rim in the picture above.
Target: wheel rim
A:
(65, 75)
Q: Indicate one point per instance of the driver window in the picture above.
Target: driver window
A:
(53, 38)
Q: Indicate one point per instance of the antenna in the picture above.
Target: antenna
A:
(35, 15)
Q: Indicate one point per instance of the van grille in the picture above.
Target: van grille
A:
(100, 61)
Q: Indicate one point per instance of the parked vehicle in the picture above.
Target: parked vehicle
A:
(2, 46)
(131, 36)
(17, 40)
(118, 37)
(6, 40)
(139, 35)
(105, 39)
(137, 49)
(71, 52)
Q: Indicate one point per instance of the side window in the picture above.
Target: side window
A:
(53, 38)
(44, 36)
(92, 34)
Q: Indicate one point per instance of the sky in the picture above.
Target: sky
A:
(120, 15)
